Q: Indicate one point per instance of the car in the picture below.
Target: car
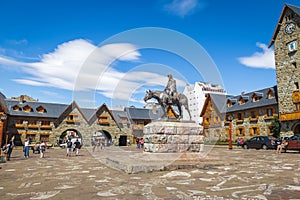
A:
(293, 143)
(260, 142)
(284, 138)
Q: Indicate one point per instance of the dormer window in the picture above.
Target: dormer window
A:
(41, 109)
(231, 102)
(27, 108)
(16, 108)
(256, 96)
(271, 94)
(243, 99)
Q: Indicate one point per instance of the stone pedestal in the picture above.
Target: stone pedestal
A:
(172, 136)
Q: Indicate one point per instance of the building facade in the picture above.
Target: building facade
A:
(250, 114)
(51, 122)
(196, 94)
(285, 40)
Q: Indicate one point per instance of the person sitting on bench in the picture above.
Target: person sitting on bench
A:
(281, 146)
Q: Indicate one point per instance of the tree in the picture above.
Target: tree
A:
(275, 127)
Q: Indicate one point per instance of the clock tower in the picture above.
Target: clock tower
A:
(286, 42)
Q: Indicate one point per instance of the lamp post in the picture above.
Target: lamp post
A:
(230, 118)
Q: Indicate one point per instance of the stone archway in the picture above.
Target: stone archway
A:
(296, 129)
(103, 136)
(69, 133)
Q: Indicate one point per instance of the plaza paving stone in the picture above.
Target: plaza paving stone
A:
(229, 174)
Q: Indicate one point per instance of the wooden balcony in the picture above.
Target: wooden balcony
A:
(19, 125)
(253, 119)
(239, 121)
(46, 127)
(33, 126)
(72, 121)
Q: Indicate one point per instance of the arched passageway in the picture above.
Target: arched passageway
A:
(297, 130)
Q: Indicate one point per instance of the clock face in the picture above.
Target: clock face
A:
(290, 28)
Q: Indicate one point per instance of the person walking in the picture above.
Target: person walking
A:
(10, 147)
(69, 148)
(77, 147)
(26, 148)
(42, 149)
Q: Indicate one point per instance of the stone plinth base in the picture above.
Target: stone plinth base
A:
(172, 136)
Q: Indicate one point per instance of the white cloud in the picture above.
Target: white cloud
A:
(81, 66)
(264, 59)
(182, 8)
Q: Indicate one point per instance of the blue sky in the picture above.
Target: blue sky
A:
(44, 46)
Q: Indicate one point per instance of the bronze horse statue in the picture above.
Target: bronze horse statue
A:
(163, 99)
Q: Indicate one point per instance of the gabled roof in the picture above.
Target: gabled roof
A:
(286, 6)
(142, 113)
(264, 101)
(89, 112)
(118, 114)
(218, 101)
(67, 111)
(98, 113)
(54, 110)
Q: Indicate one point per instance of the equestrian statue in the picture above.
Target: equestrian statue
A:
(169, 97)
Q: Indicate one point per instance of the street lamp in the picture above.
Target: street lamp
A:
(230, 118)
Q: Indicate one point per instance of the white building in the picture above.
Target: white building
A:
(196, 94)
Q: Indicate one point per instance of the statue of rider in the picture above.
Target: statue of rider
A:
(171, 88)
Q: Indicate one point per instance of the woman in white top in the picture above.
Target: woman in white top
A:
(26, 148)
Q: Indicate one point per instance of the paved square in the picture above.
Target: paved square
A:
(242, 174)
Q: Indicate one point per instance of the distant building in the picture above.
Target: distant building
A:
(196, 94)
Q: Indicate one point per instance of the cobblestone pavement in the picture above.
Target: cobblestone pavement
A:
(246, 174)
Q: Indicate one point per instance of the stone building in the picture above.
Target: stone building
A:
(251, 114)
(285, 40)
(52, 122)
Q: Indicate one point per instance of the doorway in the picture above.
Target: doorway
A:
(123, 140)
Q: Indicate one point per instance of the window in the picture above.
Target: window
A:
(269, 112)
(240, 116)
(292, 46)
(72, 118)
(103, 120)
(240, 131)
(296, 86)
(254, 130)
(16, 108)
(41, 109)
(271, 94)
(27, 108)
(297, 106)
(253, 115)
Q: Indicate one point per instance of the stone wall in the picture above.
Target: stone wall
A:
(287, 68)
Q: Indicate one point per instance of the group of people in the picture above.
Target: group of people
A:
(8, 148)
(239, 142)
(73, 147)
